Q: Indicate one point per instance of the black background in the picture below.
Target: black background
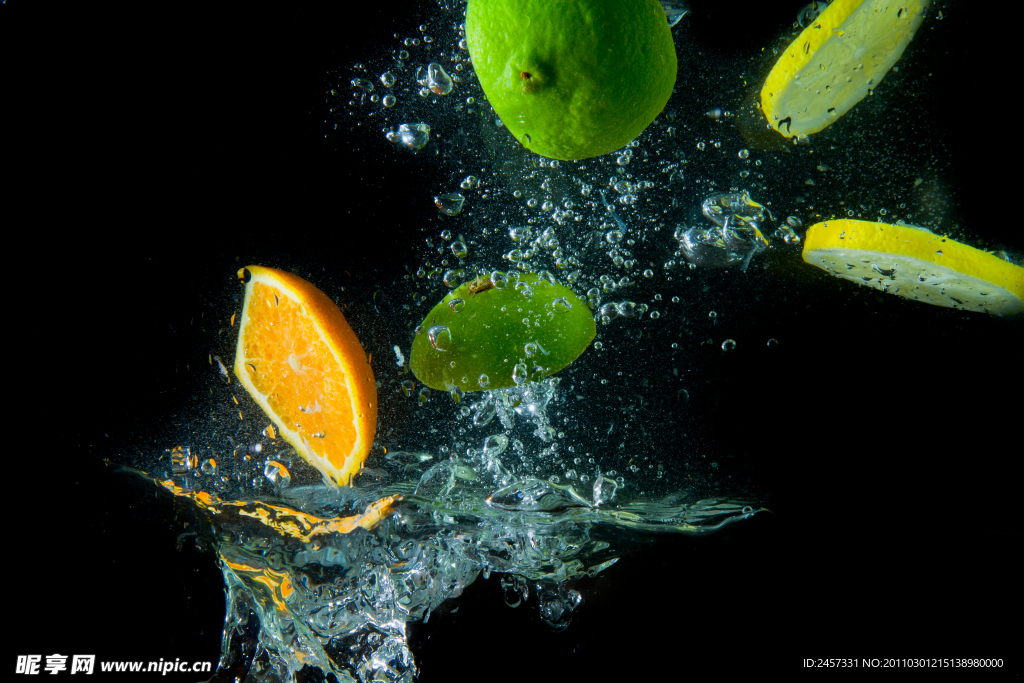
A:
(154, 148)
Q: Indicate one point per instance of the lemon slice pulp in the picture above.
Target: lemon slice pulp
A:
(835, 61)
(916, 264)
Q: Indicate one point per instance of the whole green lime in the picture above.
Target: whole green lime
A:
(500, 331)
(573, 79)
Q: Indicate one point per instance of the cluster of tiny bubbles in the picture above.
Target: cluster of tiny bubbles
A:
(409, 136)
(625, 309)
(453, 278)
(787, 234)
(434, 79)
(728, 345)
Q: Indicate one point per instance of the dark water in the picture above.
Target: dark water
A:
(893, 529)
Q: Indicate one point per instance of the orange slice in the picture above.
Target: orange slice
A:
(301, 362)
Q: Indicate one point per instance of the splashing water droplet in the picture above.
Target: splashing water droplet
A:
(604, 490)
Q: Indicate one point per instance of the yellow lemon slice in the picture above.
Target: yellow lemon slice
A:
(911, 262)
(835, 61)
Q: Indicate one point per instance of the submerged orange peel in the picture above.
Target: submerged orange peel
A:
(284, 520)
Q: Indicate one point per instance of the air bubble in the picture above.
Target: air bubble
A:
(450, 204)
(436, 335)
(277, 473)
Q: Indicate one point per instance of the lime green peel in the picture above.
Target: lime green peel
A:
(572, 79)
(494, 332)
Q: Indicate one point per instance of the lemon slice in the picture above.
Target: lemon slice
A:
(835, 61)
(914, 263)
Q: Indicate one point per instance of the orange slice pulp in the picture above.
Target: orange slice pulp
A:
(302, 363)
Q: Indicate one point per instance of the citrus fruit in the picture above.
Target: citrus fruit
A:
(301, 362)
(914, 263)
(496, 332)
(835, 61)
(572, 79)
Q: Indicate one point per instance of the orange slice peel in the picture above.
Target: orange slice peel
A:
(304, 366)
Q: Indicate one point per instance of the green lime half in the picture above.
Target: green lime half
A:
(483, 336)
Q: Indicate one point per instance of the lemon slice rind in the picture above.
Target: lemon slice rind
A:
(916, 264)
(835, 61)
